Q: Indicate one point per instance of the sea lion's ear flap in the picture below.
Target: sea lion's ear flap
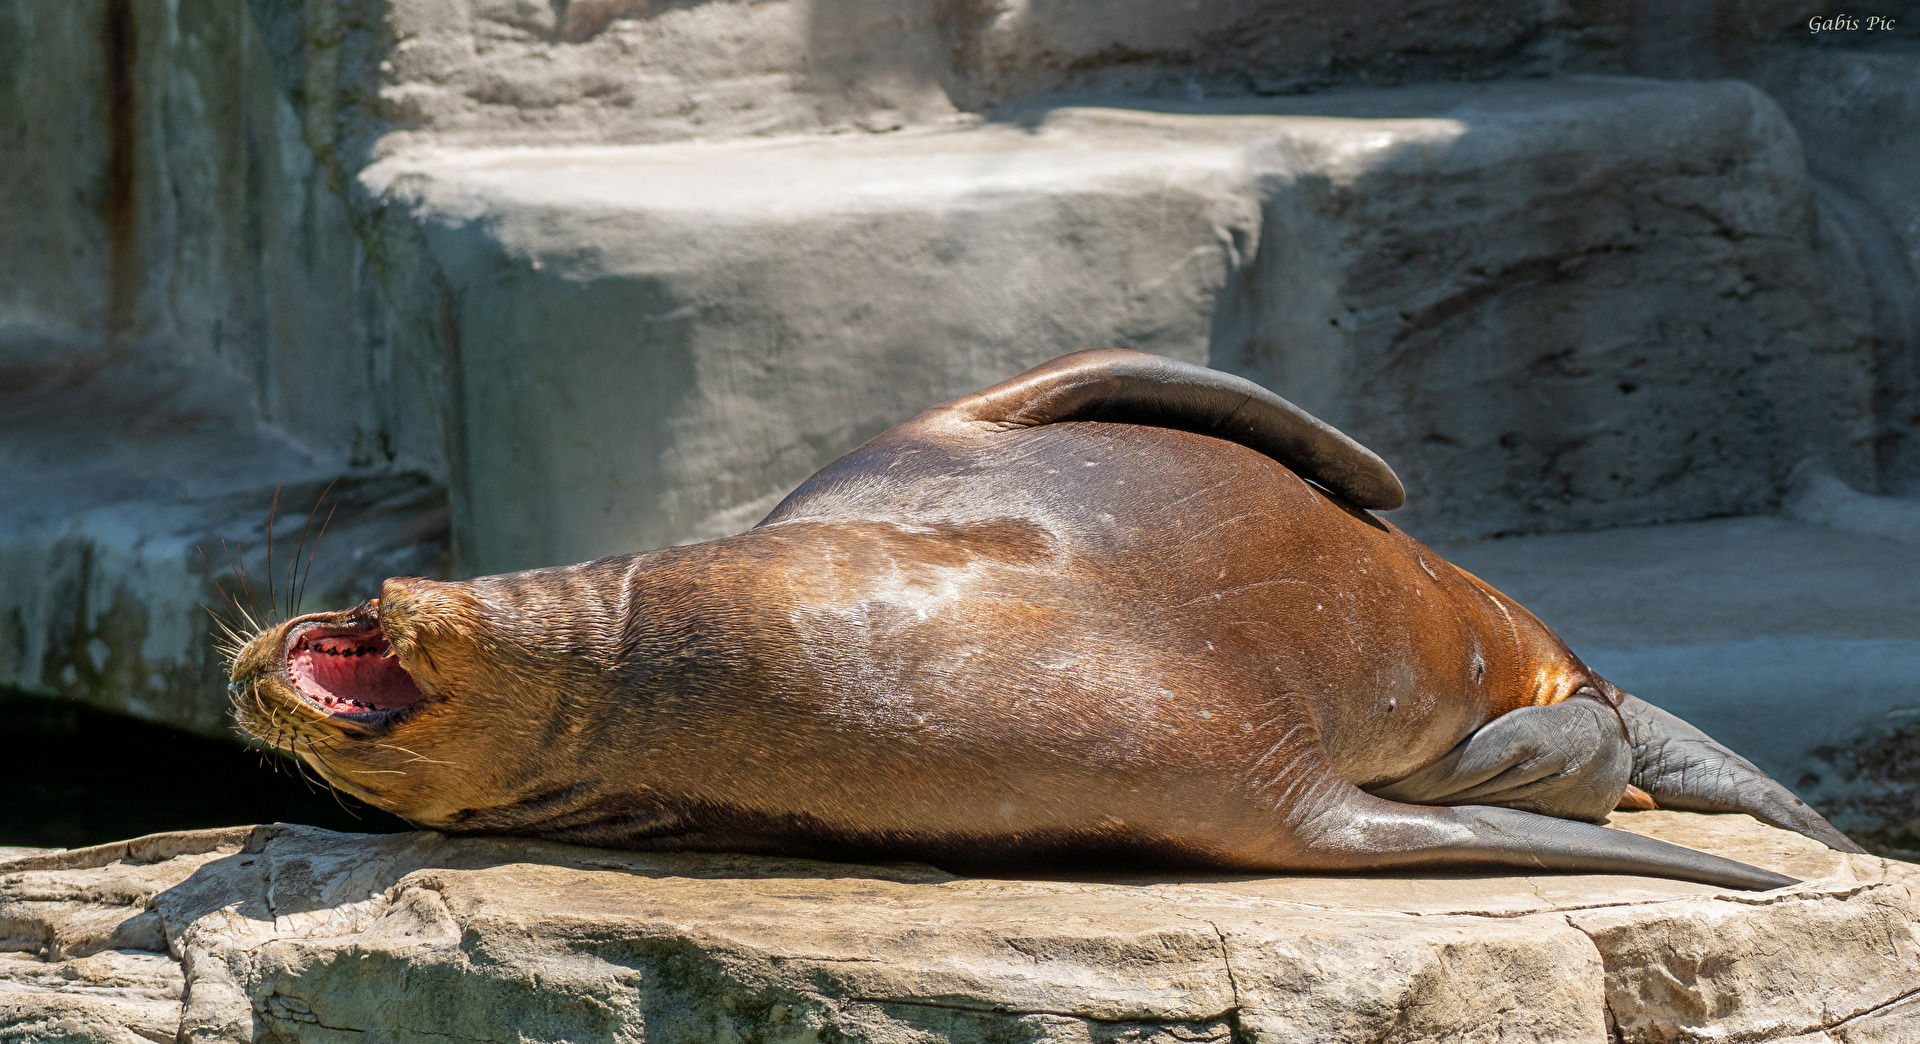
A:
(1128, 387)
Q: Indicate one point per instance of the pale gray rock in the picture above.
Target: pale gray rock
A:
(1896, 1023)
(1695, 971)
(113, 996)
(297, 934)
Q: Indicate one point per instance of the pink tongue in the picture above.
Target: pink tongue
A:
(372, 681)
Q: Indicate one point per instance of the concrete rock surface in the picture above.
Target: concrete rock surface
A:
(291, 933)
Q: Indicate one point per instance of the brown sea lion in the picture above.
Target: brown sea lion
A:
(1117, 608)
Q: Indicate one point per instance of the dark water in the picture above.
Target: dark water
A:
(71, 776)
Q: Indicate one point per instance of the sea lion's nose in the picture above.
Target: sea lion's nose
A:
(397, 588)
(414, 609)
(402, 593)
(401, 601)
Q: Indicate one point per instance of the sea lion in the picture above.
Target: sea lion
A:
(1116, 608)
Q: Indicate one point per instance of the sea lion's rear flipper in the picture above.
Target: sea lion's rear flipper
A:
(1682, 768)
(1366, 833)
(1128, 387)
(1569, 760)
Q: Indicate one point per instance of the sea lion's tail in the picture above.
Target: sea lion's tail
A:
(1129, 387)
(1682, 768)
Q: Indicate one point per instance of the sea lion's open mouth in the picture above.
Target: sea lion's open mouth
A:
(349, 671)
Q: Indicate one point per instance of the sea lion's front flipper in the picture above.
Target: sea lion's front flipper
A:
(1682, 768)
(1569, 759)
(1365, 833)
(1128, 387)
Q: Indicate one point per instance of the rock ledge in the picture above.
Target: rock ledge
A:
(299, 934)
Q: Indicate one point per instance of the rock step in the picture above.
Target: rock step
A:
(298, 934)
(1550, 304)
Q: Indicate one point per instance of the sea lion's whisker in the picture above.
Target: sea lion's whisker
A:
(239, 568)
(217, 586)
(273, 719)
(308, 571)
(313, 746)
(301, 767)
(417, 758)
(226, 632)
(321, 761)
(273, 510)
(294, 590)
(228, 641)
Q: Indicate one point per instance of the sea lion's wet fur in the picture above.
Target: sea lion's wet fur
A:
(978, 644)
